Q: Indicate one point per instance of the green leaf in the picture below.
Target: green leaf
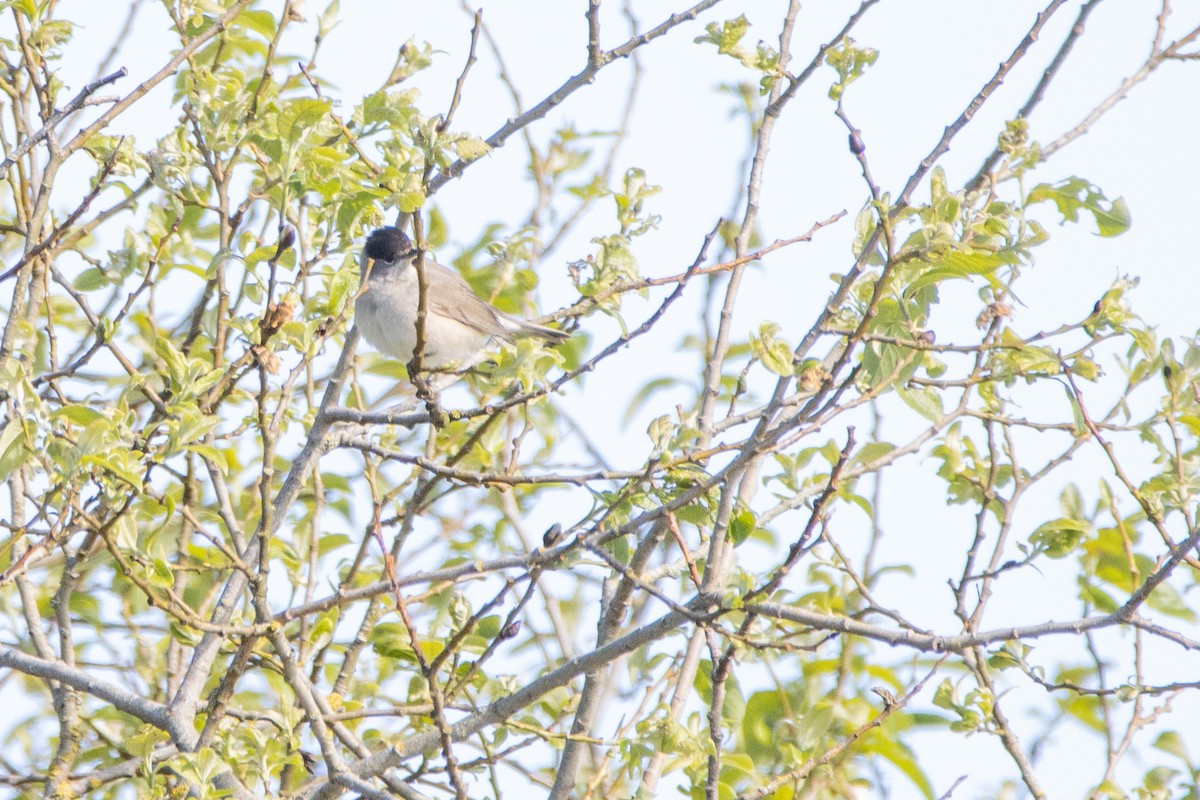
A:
(258, 255)
(1084, 367)
(925, 400)
(944, 697)
(328, 19)
(763, 711)
(142, 743)
(51, 34)
(1073, 195)
(813, 725)
(321, 632)
(1101, 600)
(775, 354)
(176, 366)
(122, 463)
(90, 280)
(697, 514)
(1011, 654)
(741, 526)
(161, 574)
(850, 62)
(214, 456)
(871, 451)
(471, 148)
(488, 627)
(1166, 599)
(261, 22)
(410, 201)
(329, 542)
(27, 7)
(126, 532)
(1060, 537)
(219, 259)
(661, 430)
(200, 768)
(727, 36)
(1079, 421)
(343, 284)
(739, 763)
(300, 116)
(80, 415)
(192, 425)
(14, 449)
(1171, 742)
(390, 640)
(618, 548)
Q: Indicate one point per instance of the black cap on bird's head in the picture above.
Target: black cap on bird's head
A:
(388, 245)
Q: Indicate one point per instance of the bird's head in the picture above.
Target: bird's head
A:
(387, 246)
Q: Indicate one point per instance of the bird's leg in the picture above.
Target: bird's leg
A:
(428, 393)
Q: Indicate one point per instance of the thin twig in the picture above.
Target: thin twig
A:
(70, 108)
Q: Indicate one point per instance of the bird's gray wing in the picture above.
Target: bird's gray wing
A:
(452, 297)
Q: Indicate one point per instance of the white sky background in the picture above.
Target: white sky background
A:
(935, 55)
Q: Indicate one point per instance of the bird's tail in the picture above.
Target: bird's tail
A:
(524, 328)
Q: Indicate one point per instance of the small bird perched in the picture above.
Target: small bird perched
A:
(457, 323)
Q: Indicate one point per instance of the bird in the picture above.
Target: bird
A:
(458, 324)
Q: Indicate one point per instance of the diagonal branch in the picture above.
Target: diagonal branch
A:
(78, 102)
(122, 699)
(585, 77)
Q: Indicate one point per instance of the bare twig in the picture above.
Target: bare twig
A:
(76, 103)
